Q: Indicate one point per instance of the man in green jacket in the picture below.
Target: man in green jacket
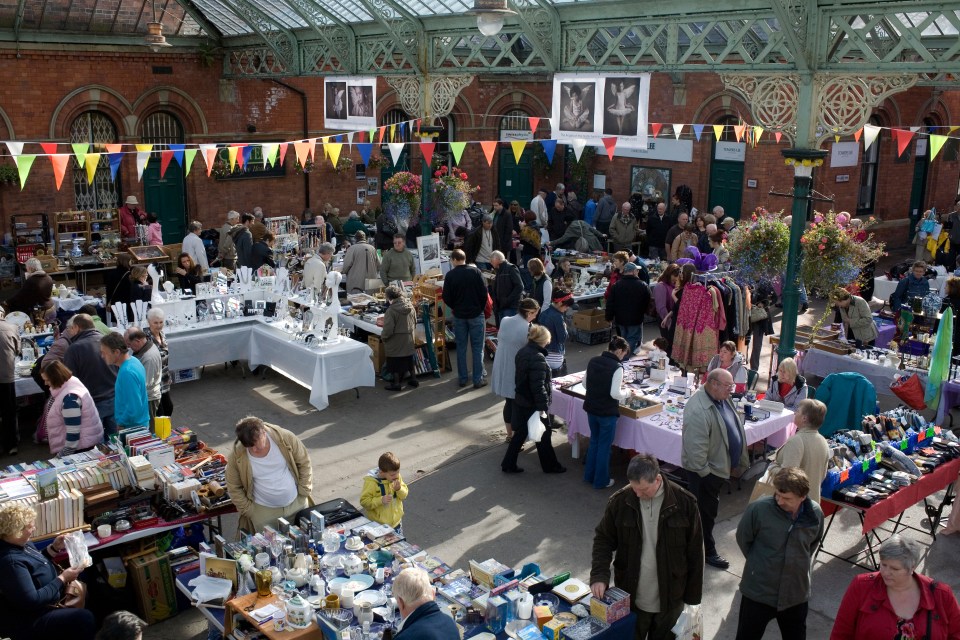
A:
(714, 443)
(397, 263)
(651, 532)
(778, 535)
(269, 474)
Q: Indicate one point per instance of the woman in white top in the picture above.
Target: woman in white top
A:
(510, 339)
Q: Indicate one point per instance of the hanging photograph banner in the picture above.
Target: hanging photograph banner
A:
(350, 102)
(593, 106)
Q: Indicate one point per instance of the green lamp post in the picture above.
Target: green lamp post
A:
(803, 162)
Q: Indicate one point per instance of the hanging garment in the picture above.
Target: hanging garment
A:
(700, 318)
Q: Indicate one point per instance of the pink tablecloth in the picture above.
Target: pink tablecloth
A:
(665, 444)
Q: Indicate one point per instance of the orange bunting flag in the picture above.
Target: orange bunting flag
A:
(656, 126)
(165, 158)
(426, 148)
(283, 151)
(489, 148)
(59, 161)
(610, 144)
(903, 137)
(518, 146)
(857, 134)
(534, 123)
(777, 135)
(718, 131)
(380, 135)
(113, 147)
(49, 148)
(739, 129)
(303, 152)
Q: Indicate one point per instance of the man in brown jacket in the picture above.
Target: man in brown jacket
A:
(269, 474)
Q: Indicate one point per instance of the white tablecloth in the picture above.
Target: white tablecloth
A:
(357, 322)
(26, 387)
(822, 363)
(216, 343)
(884, 288)
(666, 444)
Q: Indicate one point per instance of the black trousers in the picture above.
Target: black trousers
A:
(707, 492)
(10, 434)
(508, 411)
(548, 457)
(757, 334)
(166, 405)
(754, 617)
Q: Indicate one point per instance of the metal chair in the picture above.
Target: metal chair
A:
(753, 377)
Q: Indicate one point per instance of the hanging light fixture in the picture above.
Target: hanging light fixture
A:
(155, 38)
(490, 15)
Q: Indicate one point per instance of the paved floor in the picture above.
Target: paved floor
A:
(461, 506)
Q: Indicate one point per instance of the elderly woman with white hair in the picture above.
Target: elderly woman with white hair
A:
(788, 386)
(31, 585)
(36, 291)
(896, 601)
(155, 321)
(420, 617)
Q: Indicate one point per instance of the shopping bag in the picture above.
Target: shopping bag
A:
(910, 390)
(535, 427)
(690, 623)
(764, 486)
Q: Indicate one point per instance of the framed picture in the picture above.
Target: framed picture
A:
(429, 249)
(373, 186)
(361, 195)
(361, 170)
(650, 182)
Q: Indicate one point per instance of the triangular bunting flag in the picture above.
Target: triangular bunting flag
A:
(269, 152)
(93, 159)
(393, 132)
(757, 132)
(914, 129)
(361, 136)
(610, 144)
(836, 137)
(518, 147)
(857, 134)
(144, 147)
(656, 126)
(777, 135)
(245, 152)
(549, 147)
(24, 162)
(165, 158)
(903, 139)
(326, 151)
(16, 148)
(232, 152)
(677, 130)
(489, 148)
(209, 152)
(936, 142)
(335, 149)
(718, 131)
(49, 148)
(738, 129)
(534, 123)
(188, 156)
(350, 138)
(578, 144)
(303, 152)
(426, 148)
(698, 131)
(142, 158)
(79, 151)
(396, 148)
(373, 133)
(457, 148)
(59, 161)
(312, 148)
(870, 134)
(178, 152)
(115, 159)
(365, 148)
(282, 153)
(418, 126)
(403, 130)
(114, 147)
(952, 129)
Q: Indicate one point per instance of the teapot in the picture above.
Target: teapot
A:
(352, 564)
(299, 612)
(298, 576)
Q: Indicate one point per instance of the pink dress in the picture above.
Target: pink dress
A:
(700, 319)
(154, 234)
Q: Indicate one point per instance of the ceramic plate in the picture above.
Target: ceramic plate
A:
(18, 318)
(315, 601)
(353, 547)
(358, 582)
(374, 597)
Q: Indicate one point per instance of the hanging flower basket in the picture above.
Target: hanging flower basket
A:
(404, 191)
(376, 162)
(832, 256)
(451, 193)
(759, 247)
(344, 163)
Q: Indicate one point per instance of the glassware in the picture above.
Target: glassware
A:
(264, 579)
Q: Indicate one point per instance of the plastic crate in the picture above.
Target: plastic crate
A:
(591, 337)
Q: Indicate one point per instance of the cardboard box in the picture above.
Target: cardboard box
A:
(379, 356)
(542, 615)
(153, 585)
(115, 571)
(614, 604)
(590, 320)
(551, 630)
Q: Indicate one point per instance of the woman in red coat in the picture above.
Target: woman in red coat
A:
(896, 602)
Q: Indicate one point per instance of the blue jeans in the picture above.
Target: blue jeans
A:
(602, 430)
(633, 334)
(472, 329)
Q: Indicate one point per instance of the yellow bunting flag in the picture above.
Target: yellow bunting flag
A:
(757, 132)
(718, 131)
(518, 146)
(393, 131)
(333, 152)
(93, 159)
(936, 142)
(232, 156)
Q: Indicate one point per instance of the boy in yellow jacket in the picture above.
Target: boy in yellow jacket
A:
(384, 492)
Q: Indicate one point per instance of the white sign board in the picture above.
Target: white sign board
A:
(733, 151)
(656, 149)
(428, 248)
(845, 154)
(509, 135)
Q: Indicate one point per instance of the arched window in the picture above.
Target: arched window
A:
(515, 120)
(866, 195)
(161, 128)
(96, 129)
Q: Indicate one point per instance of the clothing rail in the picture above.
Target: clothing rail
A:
(711, 275)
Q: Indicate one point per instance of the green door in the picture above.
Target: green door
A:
(515, 179)
(918, 191)
(165, 198)
(726, 187)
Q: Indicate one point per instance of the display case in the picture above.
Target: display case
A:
(286, 231)
(85, 226)
(31, 232)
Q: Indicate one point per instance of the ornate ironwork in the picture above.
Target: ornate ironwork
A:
(442, 91)
(97, 129)
(280, 40)
(541, 24)
(406, 31)
(338, 52)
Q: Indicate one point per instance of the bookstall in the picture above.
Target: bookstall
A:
(895, 461)
(310, 579)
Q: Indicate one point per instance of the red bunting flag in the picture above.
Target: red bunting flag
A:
(903, 137)
(283, 151)
(49, 148)
(489, 148)
(426, 148)
(362, 137)
(656, 126)
(165, 158)
(534, 123)
(240, 148)
(610, 144)
(418, 126)
(778, 135)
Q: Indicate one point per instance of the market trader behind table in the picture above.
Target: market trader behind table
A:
(420, 617)
(651, 531)
(714, 443)
(269, 474)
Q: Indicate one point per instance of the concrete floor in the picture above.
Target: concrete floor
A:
(462, 507)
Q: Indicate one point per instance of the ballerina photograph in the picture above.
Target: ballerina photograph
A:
(336, 106)
(576, 104)
(620, 106)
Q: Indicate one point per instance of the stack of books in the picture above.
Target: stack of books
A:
(143, 472)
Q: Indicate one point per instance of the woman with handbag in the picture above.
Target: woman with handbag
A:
(37, 600)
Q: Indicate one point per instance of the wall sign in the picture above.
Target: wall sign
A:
(732, 151)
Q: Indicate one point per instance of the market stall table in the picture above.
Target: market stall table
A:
(822, 363)
(26, 387)
(949, 398)
(886, 329)
(883, 287)
(215, 615)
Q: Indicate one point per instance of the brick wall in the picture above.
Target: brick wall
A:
(46, 90)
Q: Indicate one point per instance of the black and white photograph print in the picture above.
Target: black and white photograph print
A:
(336, 100)
(428, 248)
(621, 100)
(577, 108)
(360, 104)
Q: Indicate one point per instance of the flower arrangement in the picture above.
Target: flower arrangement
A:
(403, 190)
(451, 192)
(307, 167)
(758, 250)
(220, 169)
(9, 174)
(376, 162)
(832, 255)
(344, 163)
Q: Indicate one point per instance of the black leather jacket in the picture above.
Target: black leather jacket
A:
(532, 377)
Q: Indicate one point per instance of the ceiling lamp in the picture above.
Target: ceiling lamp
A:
(490, 15)
(155, 38)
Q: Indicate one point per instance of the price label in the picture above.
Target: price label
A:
(866, 465)
(844, 475)
(904, 444)
(921, 436)
(878, 455)
(932, 431)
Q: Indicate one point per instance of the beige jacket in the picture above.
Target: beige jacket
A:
(809, 451)
(706, 447)
(240, 477)
(859, 319)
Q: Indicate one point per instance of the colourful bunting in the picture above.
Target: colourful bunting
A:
(115, 159)
(335, 149)
(232, 152)
(757, 132)
(59, 161)
(578, 144)
(269, 153)
(677, 131)
(396, 149)
(79, 151)
(857, 134)
(426, 148)
(165, 158)
(283, 151)
(549, 147)
(303, 152)
(698, 131)
(24, 162)
(936, 142)
(49, 148)
(903, 137)
(870, 134)
(115, 147)
(518, 147)
(178, 152)
(393, 132)
(93, 159)
(16, 148)
(489, 148)
(656, 126)
(777, 135)
(244, 157)
(457, 148)
(143, 157)
(534, 123)
(209, 152)
(610, 144)
(189, 155)
(365, 148)
(738, 129)
(718, 131)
